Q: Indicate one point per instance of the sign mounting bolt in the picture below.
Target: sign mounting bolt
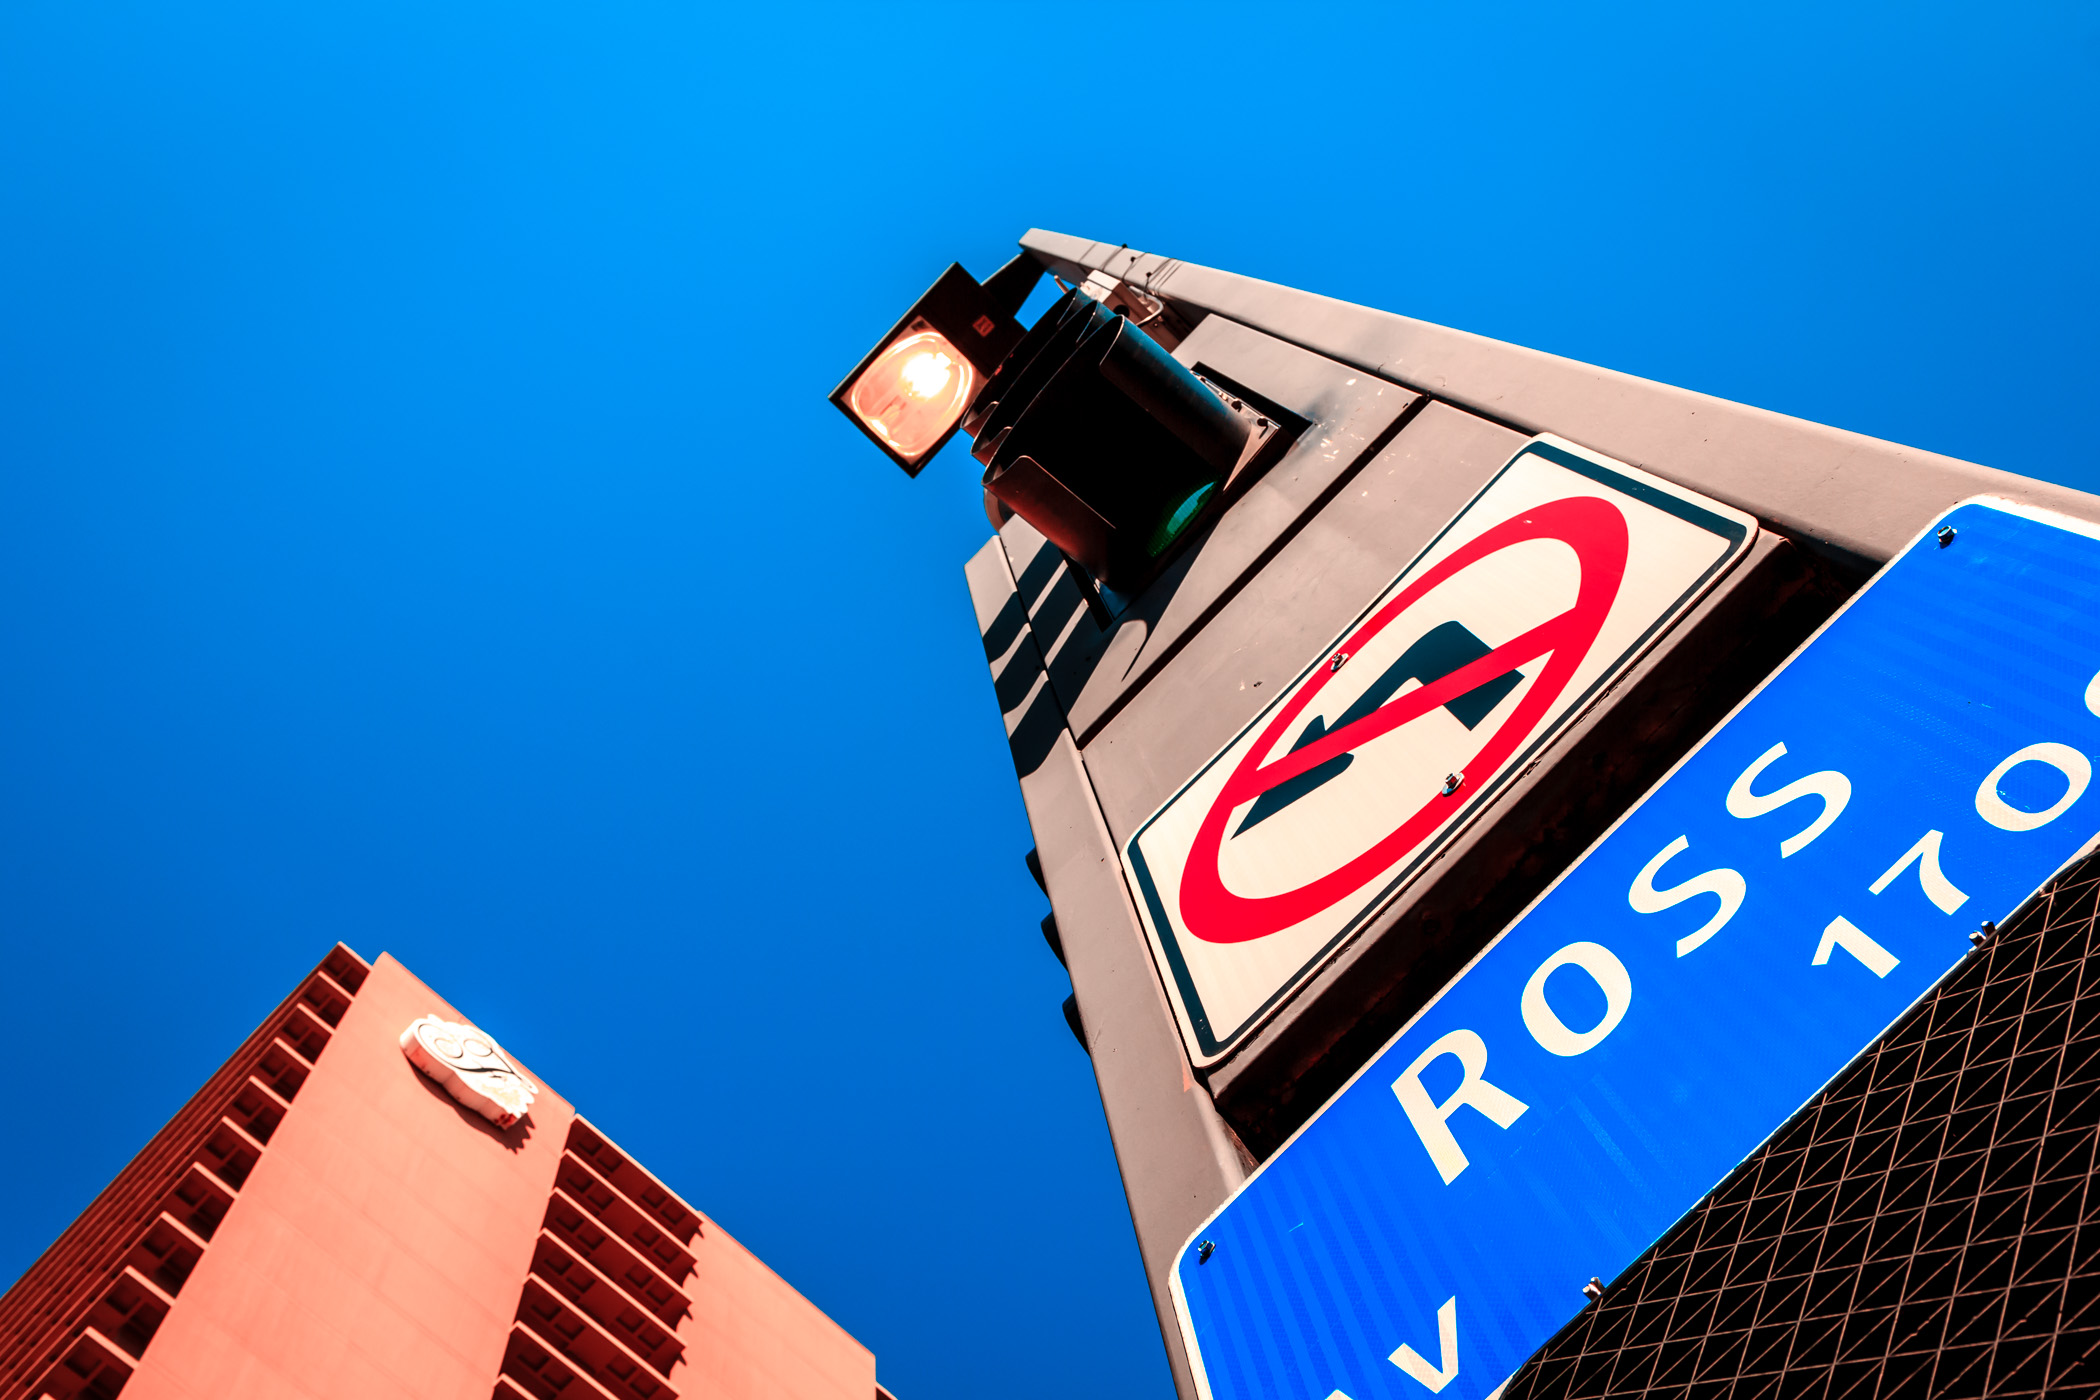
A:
(1341, 659)
(1593, 1290)
(1453, 782)
(1984, 934)
(1945, 536)
(1205, 1250)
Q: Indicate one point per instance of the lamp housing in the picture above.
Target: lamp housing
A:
(909, 394)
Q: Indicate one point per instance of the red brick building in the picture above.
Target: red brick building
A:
(326, 1221)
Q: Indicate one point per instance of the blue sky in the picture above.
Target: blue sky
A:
(421, 523)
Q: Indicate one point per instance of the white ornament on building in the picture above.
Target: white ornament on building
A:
(470, 1067)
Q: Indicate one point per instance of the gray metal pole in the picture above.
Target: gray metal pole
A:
(1398, 422)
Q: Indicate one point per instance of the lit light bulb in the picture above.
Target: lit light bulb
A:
(925, 374)
(914, 392)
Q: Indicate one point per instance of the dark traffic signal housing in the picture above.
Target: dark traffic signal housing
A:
(1095, 435)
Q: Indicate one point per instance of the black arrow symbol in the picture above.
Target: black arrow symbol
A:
(1436, 654)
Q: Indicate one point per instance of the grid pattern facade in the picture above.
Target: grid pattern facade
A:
(76, 1324)
(1926, 1226)
(601, 1309)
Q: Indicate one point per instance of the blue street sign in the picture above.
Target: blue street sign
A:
(1756, 921)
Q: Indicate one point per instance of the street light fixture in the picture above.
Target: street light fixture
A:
(909, 394)
(914, 393)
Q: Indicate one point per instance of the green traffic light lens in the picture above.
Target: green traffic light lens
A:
(1178, 519)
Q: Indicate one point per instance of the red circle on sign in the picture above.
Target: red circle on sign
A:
(1596, 531)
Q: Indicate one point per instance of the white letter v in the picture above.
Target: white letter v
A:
(1410, 1360)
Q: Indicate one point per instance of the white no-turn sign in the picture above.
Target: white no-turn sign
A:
(1550, 581)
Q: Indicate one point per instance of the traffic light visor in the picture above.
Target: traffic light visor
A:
(913, 393)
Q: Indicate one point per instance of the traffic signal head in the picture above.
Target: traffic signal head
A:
(1103, 441)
